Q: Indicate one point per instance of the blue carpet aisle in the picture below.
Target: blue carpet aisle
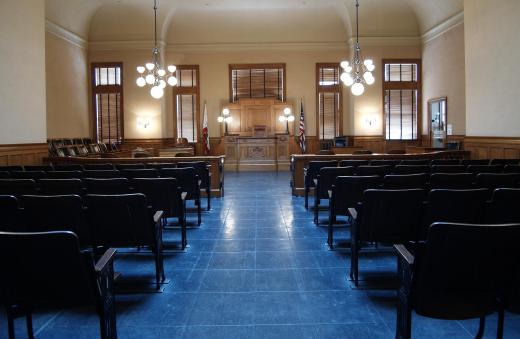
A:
(257, 267)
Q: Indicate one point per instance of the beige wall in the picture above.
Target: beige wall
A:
(67, 89)
(22, 66)
(492, 72)
(444, 76)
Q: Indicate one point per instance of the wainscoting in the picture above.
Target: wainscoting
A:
(492, 147)
(23, 154)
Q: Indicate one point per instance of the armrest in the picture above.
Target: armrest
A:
(353, 213)
(315, 182)
(403, 253)
(158, 216)
(183, 195)
(106, 259)
(199, 182)
(329, 193)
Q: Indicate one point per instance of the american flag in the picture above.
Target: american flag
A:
(205, 134)
(302, 129)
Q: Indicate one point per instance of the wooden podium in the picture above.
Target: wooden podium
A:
(257, 139)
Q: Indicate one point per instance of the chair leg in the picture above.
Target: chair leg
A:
(10, 323)
(403, 328)
(500, 325)
(182, 220)
(354, 262)
(330, 239)
(208, 193)
(199, 211)
(316, 211)
(306, 189)
(29, 324)
(481, 327)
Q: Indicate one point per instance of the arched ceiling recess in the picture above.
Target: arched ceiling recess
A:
(126, 20)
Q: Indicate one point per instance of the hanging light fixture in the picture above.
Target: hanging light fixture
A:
(152, 73)
(358, 73)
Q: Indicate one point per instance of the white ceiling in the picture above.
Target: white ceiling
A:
(105, 20)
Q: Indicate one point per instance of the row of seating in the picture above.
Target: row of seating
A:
(91, 166)
(79, 147)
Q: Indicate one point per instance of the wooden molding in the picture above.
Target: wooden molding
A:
(23, 154)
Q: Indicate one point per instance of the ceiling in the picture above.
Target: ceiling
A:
(274, 20)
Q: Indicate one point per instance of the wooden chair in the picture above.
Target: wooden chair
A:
(411, 169)
(107, 186)
(311, 172)
(460, 272)
(452, 181)
(55, 270)
(126, 220)
(11, 214)
(188, 181)
(60, 186)
(405, 181)
(203, 170)
(324, 181)
(346, 192)
(164, 194)
(390, 216)
(44, 213)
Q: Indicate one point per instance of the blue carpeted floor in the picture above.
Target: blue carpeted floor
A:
(257, 267)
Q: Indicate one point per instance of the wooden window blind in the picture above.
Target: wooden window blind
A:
(328, 99)
(401, 93)
(187, 105)
(257, 81)
(107, 101)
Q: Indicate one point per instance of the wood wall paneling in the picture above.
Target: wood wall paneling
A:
(23, 154)
(492, 147)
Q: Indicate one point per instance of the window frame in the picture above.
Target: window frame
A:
(188, 90)
(233, 67)
(402, 85)
(107, 89)
(328, 89)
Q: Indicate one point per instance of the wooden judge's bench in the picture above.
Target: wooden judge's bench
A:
(256, 139)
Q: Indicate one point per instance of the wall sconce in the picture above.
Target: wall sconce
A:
(370, 121)
(143, 122)
(287, 117)
(226, 119)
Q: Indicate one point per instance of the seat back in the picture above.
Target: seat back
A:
(504, 162)
(476, 169)
(374, 170)
(313, 169)
(467, 162)
(186, 180)
(140, 173)
(161, 165)
(121, 167)
(384, 162)
(98, 167)
(65, 174)
(448, 169)
(201, 169)
(327, 176)
(68, 167)
(445, 162)
(28, 175)
(60, 186)
(11, 168)
(17, 187)
(498, 180)
(353, 163)
(452, 181)
(46, 266)
(512, 169)
(348, 191)
(44, 168)
(120, 220)
(102, 174)
(405, 181)
(107, 186)
(461, 269)
(161, 193)
(411, 169)
(415, 162)
(503, 207)
(392, 216)
(4, 175)
(10, 212)
(44, 213)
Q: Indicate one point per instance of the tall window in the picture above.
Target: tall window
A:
(402, 97)
(107, 101)
(328, 99)
(187, 105)
(257, 81)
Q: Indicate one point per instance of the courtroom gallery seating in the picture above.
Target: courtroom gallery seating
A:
(28, 175)
(11, 215)
(445, 162)
(102, 174)
(11, 168)
(324, 181)
(467, 162)
(503, 207)
(462, 271)
(452, 180)
(380, 170)
(60, 186)
(5, 175)
(512, 169)
(311, 172)
(98, 166)
(405, 181)
(202, 169)
(476, 169)
(140, 173)
(44, 168)
(415, 162)
(411, 169)
(498, 180)
(188, 181)
(17, 187)
(68, 167)
(353, 163)
(448, 169)
(107, 186)
(121, 167)
(55, 271)
(65, 174)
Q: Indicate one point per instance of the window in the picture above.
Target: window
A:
(187, 105)
(402, 97)
(257, 81)
(328, 101)
(107, 101)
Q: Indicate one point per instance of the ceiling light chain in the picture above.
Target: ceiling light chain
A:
(155, 75)
(359, 72)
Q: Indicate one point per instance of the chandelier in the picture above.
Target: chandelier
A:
(359, 72)
(152, 73)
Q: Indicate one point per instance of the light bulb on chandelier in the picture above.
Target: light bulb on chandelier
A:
(152, 73)
(358, 73)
